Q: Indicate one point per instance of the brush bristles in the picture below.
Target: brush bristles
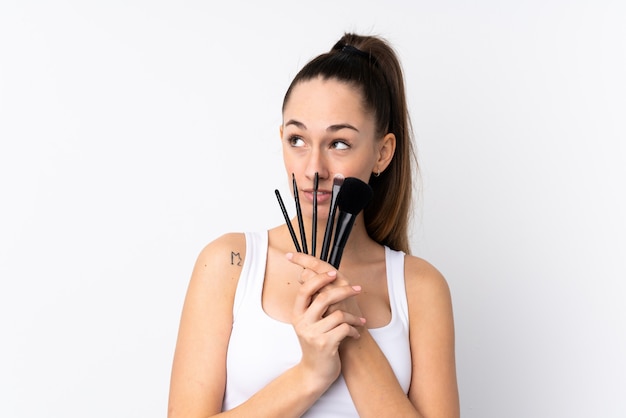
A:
(354, 195)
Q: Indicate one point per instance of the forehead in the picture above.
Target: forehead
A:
(327, 101)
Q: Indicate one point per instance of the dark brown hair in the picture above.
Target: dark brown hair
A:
(371, 65)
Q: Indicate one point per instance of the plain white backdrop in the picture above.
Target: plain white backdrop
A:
(134, 132)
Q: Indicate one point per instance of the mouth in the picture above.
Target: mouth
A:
(322, 196)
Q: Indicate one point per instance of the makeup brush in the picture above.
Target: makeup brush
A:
(316, 181)
(337, 182)
(299, 215)
(352, 199)
(288, 221)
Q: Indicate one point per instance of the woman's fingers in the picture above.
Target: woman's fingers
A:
(309, 262)
(312, 266)
(338, 319)
(316, 294)
(309, 290)
(330, 296)
(315, 297)
(325, 334)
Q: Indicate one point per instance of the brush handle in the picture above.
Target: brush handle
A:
(288, 221)
(329, 224)
(316, 181)
(299, 215)
(345, 221)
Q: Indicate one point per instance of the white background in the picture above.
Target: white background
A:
(134, 132)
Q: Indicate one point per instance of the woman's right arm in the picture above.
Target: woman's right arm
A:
(199, 369)
(198, 378)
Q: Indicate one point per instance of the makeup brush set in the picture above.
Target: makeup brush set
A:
(349, 196)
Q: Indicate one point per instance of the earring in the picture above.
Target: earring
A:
(377, 173)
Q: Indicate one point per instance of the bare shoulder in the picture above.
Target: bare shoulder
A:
(426, 286)
(428, 293)
(229, 247)
(219, 264)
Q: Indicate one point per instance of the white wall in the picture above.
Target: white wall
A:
(133, 132)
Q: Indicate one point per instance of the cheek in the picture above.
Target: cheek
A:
(287, 158)
(289, 163)
(362, 167)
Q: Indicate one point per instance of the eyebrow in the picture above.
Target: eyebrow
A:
(331, 128)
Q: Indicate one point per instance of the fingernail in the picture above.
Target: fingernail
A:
(332, 273)
(357, 288)
(289, 256)
(363, 320)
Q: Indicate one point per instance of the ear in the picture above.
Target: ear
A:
(281, 130)
(386, 150)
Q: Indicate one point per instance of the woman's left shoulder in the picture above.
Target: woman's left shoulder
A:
(424, 282)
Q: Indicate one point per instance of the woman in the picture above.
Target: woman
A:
(269, 332)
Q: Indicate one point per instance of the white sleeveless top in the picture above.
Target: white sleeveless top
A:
(262, 348)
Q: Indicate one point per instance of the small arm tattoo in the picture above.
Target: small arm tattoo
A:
(235, 258)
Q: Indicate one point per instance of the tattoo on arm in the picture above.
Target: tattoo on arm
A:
(235, 259)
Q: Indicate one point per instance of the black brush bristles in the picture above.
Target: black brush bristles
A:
(354, 195)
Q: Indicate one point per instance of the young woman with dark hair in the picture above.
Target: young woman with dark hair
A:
(285, 334)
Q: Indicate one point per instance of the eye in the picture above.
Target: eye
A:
(296, 141)
(340, 145)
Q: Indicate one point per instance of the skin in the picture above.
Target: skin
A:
(327, 131)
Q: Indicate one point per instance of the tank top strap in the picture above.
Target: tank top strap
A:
(250, 285)
(396, 285)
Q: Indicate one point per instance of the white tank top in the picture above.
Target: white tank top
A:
(261, 348)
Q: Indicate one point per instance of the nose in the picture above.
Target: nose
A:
(316, 163)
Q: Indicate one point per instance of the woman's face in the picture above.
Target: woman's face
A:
(326, 130)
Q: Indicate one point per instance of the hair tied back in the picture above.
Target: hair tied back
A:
(349, 49)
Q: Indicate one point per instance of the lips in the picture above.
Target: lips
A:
(322, 196)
